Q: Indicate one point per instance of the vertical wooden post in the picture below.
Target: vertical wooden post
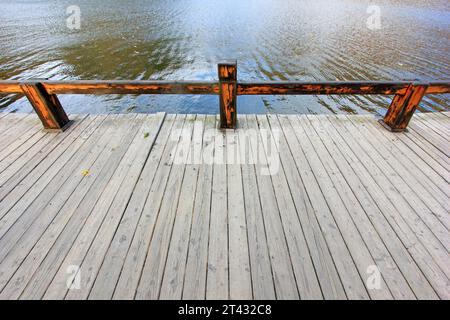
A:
(403, 106)
(46, 105)
(227, 94)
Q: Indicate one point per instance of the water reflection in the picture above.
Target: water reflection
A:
(184, 39)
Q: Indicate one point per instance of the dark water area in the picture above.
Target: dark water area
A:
(185, 39)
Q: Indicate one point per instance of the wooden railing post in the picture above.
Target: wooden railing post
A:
(403, 106)
(227, 94)
(46, 105)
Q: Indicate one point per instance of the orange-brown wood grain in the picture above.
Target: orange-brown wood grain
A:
(46, 105)
(10, 87)
(325, 88)
(131, 87)
(227, 72)
(403, 106)
(42, 93)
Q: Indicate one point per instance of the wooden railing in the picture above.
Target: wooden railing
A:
(42, 94)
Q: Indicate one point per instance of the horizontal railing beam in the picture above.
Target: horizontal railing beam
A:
(10, 86)
(131, 87)
(212, 87)
(319, 88)
(438, 87)
(42, 93)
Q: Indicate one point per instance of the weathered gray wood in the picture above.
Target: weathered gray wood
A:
(375, 204)
(398, 211)
(396, 285)
(14, 205)
(372, 214)
(339, 213)
(424, 156)
(217, 281)
(261, 270)
(238, 255)
(305, 275)
(151, 278)
(174, 272)
(400, 178)
(27, 129)
(89, 248)
(427, 147)
(436, 140)
(433, 121)
(11, 119)
(443, 114)
(25, 158)
(36, 167)
(110, 270)
(346, 267)
(283, 273)
(22, 248)
(346, 193)
(194, 285)
(79, 208)
(66, 203)
(137, 253)
(434, 186)
(327, 274)
(13, 151)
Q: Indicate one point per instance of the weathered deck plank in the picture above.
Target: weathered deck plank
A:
(174, 272)
(326, 271)
(153, 269)
(67, 210)
(194, 285)
(239, 258)
(282, 269)
(102, 223)
(424, 223)
(373, 214)
(134, 262)
(110, 270)
(217, 284)
(260, 266)
(395, 207)
(305, 275)
(169, 207)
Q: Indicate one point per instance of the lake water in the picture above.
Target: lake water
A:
(184, 39)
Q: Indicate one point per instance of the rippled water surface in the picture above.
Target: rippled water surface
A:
(184, 39)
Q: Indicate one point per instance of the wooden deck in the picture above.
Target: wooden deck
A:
(164, 206)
